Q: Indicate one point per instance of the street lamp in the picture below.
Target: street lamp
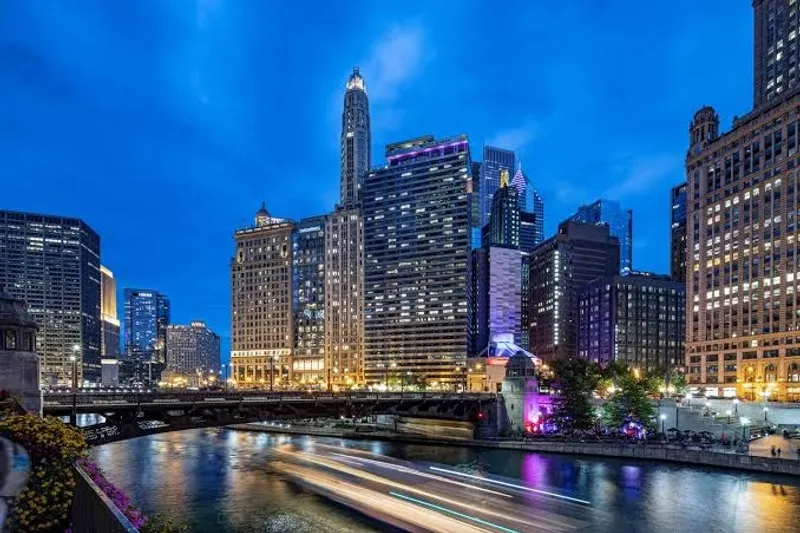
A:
(663, 423)
(766, 410)
(728, 412)
(74, 360)
(736, 406)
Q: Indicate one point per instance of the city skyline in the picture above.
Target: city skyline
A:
(225, 193)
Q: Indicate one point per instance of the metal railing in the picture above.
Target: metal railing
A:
(171, 397)
(93, 511)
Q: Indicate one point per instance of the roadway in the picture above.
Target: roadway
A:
(422, 497)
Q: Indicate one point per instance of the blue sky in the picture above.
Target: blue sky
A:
(164, 123)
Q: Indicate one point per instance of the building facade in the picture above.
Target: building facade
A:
(52, 264)
(262, 322)
(416, 263)
(498, 296)
(560, 268)
(147, 315)
(308, 301)
(475, 204)
(504, 219)
(192, 349)
(637, 319)
(678, 233)
(619, 222)
(743, 323)
(110, 341)
(495, 160)
(344, 247)
(775, 62)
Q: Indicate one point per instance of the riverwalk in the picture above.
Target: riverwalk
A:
(788, 465)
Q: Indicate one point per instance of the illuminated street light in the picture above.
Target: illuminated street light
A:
(766, 410)
(744, 422)
(736, 406)
(663, 422)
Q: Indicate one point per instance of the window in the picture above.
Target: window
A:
(9, 340)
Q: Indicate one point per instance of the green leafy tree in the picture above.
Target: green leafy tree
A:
(667, 381)
(630, 402)
(574, 380)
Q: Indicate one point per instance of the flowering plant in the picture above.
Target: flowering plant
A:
(45, 503)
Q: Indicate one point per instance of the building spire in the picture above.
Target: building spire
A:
(504, 178)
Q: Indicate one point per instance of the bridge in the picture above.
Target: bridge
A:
(129, 414)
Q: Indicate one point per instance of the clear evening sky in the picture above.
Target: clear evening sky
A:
(164, 123)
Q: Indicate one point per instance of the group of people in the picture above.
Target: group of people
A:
(776, 451)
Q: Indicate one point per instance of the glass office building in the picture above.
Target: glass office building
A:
(619, 222)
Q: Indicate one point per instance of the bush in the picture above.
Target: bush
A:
(45, 503)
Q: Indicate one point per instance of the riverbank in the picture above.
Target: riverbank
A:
(647, 452)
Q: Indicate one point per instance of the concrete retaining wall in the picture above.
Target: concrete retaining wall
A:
(648, 452)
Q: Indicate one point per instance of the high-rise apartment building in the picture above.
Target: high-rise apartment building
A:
(775, 64)
(678, 233)
(494, 161)
(637, 319)
(743, 319)
(147, 315)
(416, 263)
(619, 222)
(192, 348)
(344, 246)
(262, 330)
(52, 264)
(308, 301)
(560, 268)
(109, 341)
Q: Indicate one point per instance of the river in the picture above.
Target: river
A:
(216, 480)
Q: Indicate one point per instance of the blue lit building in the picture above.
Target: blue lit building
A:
(417, 275)
(620, 225)
(494, 161)
(475, 204)
(678, 233)
(308, 299)
(503, 226)
(147, 315)
(529, 202)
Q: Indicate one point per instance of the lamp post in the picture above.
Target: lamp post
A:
(728, 412)
(744, 421)
(74, 360)
(663, 423)
(736, 406)
(766, 410)
(271, 371)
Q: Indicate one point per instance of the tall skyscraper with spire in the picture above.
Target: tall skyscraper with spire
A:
(344, 246)
(356, 140)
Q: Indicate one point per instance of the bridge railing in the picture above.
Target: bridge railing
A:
(93, 511)
(156, 397)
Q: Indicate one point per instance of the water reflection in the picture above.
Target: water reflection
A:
(219, 481)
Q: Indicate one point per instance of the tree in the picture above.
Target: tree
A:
(630, 403)
(575, 380)
(667, 381)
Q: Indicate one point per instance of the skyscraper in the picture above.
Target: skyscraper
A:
(356, 139)
(475, 204)
(344, 246)
(147, 315)
(529, 202)
(560, 268)
(637, 319)
(192, 348)
(110, 347)
(678, 233)
(742, 233)
(619, 222)
(498, 295)
(262, 331)
(52, 264)
(494, 161)
(775, 74)
(417, 266)
(308, 301)
(503, 227)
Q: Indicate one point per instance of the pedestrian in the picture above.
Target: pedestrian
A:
(779, 453)
(772, 451)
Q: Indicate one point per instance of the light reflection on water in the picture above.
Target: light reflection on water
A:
(216, 480)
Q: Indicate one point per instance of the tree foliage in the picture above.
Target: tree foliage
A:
(629, 402)
(575, 380)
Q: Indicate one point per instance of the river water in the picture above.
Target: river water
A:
(216, 480)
